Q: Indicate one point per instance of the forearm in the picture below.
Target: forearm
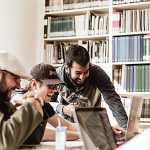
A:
(115, 104)
(72, 135)
(70, 126)
(49, 135)
(54, 122)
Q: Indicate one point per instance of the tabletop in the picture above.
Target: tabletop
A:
(70, 145)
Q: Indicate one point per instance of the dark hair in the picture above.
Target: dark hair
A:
(78, 54)
(3, 75)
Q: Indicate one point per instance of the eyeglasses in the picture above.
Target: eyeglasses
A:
(54, 87)
(16, 78)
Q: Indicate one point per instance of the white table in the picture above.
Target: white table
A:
(70, 145)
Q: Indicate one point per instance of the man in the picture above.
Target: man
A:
(84, 84)
(16, 126)
(45, 82)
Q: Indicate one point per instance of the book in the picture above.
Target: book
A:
(62, 26)
(116, 22)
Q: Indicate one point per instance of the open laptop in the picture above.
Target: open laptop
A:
(95, 128)
(134, 117)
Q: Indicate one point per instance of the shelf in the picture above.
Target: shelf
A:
(104, 9)
(145, 95)
(144, 126)
(103, 64)
(75, 38)
(131, 63)
(57, 65)
(131, 33)
(140, 5)
(145, 121)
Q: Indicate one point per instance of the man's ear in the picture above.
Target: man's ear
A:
(33, 84)
(66, 68)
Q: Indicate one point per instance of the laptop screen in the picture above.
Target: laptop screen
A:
(95, 128)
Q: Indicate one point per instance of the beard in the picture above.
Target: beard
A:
(4, 96)
(3, 92)
(77, 84)
(75, 81)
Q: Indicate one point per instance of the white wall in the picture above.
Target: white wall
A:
(21, 29)
(40, 30)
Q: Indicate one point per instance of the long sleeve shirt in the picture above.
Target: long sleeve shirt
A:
(16, 126)
(89, 94)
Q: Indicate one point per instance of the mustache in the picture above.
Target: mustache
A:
(79, 80)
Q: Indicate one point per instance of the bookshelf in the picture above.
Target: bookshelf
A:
(85, 30)
(130, 52)
(116, 34)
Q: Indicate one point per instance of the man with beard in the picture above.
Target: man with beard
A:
(85, 82)
(16, 126)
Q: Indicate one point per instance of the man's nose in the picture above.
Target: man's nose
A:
(18, 86)
(53, 90)
(82, 77)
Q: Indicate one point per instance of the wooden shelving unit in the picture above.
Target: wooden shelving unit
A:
(108, 10)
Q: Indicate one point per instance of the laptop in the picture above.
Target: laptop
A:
(95, 129)
(134, 117)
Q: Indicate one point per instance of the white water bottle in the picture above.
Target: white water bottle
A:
(60, 137)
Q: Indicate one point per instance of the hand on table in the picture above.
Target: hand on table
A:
(68, 109)
(118, 130)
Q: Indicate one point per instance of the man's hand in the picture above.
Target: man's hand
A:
(119, 134)
(118, 130)
(35, 99)
(68, 109)
(35, 95)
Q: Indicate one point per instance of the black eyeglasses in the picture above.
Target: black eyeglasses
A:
(54, 86)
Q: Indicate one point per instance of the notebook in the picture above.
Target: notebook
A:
(96, 131)
(134, 117)
(95, 128)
